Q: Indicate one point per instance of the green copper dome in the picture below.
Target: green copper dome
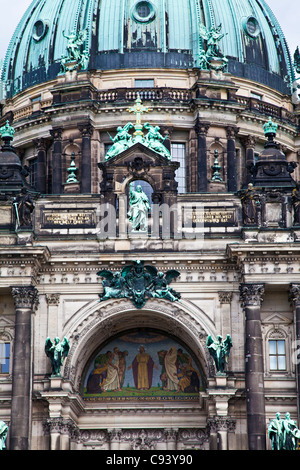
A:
(122, 34)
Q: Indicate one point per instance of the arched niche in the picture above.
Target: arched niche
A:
(138, 163)
(145, 364)
(111, 319)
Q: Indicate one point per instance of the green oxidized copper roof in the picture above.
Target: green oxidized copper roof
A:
(147, 34)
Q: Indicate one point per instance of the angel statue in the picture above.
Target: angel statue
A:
(212, 38)
(3, 434)
(161, 288)
(113, 285)
(74, 49)
(57, 351)
(122, 141)
(154, 140)
(219, 350)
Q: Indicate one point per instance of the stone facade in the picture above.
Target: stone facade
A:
(236, 247)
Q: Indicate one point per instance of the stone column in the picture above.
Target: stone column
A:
(231, 159)
(86, 160)
(57, 161)
(25, 298)
(219, 427)
(41, 147)
(251, 296)
(295, 298)
(61, 432)
(201, 130)
(250, 142)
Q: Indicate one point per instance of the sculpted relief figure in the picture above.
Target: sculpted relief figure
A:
(138, 282)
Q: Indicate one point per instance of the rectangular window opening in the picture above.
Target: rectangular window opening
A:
(178, 152)
(277, 355)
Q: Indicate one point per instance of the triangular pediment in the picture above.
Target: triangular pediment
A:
(136, 152)
(276, 319)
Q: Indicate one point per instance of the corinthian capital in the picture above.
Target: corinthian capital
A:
(295, 294)
(25, 296)
(251, 294)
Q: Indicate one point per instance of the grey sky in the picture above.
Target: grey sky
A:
(286, 11)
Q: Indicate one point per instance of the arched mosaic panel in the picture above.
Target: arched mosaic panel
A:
(143, 364)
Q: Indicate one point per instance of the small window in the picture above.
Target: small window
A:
(144, 83)
(144, 11)
(178, 155)
(256, 96)
(40, 30)
(4, 357)
(277, 355)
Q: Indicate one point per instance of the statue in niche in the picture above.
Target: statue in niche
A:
(122, 141)
(250, 204)
(57, 351)
(24, 207)
(138, 209)
(154, 140)
(3, 434)
(219, 350)
(296, 204)
(284, 433)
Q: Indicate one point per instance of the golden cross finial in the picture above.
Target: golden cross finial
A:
(138, 109)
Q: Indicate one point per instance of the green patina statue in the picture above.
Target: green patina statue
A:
(138, 282)
(57, 351)
(122, 141)
(77, 57)
(154, 140)
(284, 433)
(219, 350)
(138, 209)
(207, 58)
(3, 434)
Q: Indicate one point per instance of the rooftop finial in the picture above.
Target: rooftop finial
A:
(270, 128)
(7, 133)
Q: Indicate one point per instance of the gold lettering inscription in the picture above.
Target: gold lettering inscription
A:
(68, 218)
(214, 217)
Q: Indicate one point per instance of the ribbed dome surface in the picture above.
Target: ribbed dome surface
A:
(125, 34)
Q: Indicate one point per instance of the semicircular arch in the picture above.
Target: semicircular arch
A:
(112, 318)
